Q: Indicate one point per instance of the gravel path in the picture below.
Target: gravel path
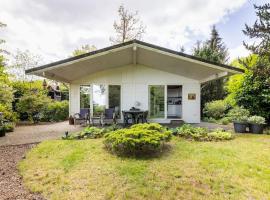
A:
(37, 133)
(11, 186)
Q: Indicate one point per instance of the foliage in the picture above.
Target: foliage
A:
(55, 111)
(252, 89)
(84, 49)
(216, 51)
(202, 134)
(223, 121)
(128, 28)
(9, 127)
(256, 120)
(33, 104)
(8, 114)
(139, 139)
(238, 114)
(23, 60)
(219, 135)
(6, 94)
(260, 31)
(88, 132)
(216, 109)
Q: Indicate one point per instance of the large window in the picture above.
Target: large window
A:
(115, 98)
(85, 96)
(99, 99)
(157, 100)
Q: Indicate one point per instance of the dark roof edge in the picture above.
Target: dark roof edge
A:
(125, 44)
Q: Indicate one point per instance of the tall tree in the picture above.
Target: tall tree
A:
(213, 50)
(23, 60)
(254, 90)
(129, 26)
(84, 49)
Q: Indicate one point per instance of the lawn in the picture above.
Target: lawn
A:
(236, 169)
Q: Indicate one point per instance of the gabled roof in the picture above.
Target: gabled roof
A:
(126, 44)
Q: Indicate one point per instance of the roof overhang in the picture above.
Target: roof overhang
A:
(133, 52)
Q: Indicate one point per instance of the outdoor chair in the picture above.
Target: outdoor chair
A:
(83, 117)
(108, 117)
(143, 117)
(127, 117)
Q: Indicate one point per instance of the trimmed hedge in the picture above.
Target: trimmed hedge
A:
(139, 139)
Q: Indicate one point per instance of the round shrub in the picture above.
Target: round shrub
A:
(8, 114)
(216, 109)
(139, 139)
(56, 111)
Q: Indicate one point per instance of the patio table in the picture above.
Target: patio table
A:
(134, 114)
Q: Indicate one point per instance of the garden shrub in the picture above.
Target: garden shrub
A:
(56, 111)
(8, 114)
(33, 105)
(216, 109)
(238, 114)
(9, 127)
(203, 134)
(139, 139)
(88, 132)
(256, 120)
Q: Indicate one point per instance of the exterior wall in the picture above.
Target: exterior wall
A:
(134, 81)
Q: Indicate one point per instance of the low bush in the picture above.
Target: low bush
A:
(216, 109)
(33, 105)
(238, 114)
(139, 139)
(256, 120)
(8, 114)
(56, 111)
(9, 127)
(203, 134)
(88, 132)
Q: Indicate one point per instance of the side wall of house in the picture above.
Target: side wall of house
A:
(135, 81)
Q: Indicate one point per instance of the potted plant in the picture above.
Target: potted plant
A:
(239, 116)
(256, 124)
(2, 131)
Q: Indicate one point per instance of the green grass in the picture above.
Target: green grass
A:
(236, 169)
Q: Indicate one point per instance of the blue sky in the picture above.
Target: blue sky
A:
(53, 29)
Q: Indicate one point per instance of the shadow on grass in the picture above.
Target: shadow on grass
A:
(141, 154)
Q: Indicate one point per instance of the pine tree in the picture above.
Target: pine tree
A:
(216, 51)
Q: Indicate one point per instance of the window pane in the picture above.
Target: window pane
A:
(85, 96)
(115, 98)
(156, 101)
(99, 99)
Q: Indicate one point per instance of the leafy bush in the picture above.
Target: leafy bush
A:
(9, 127)
(56, 111)
(8, 114)
(202, 134)
(238, 114)
(139, 139)
(216, 109)
(33, 105)
(219, 135)
(256, 120)
(88, 132)
(223, 121)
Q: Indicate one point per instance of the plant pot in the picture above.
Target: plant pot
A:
(2, 132)
(256, 128)
(240, 127)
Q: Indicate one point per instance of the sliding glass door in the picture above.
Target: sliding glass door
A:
(115, 98)
(85, 93)
(157, 101)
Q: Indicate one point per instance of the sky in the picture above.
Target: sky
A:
(53, 29)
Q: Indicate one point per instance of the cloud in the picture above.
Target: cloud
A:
(238, 52)
(55, 28)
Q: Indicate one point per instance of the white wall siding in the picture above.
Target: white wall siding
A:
(134, 81)
(74, 100)
(191, 108)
